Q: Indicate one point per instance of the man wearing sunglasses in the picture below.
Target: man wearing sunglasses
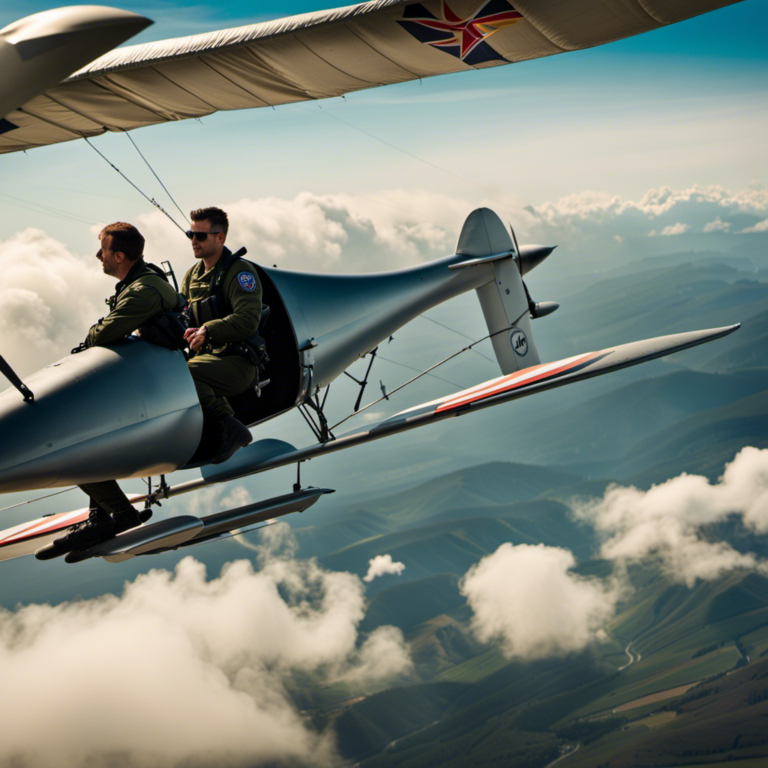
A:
(142, 293)
(224, 295)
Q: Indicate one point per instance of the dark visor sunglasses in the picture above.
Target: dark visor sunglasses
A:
(201, 236)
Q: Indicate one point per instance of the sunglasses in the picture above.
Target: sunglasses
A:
(200, 236)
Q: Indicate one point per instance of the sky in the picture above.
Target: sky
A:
(643, 147)
(639, 148)
(676, 107)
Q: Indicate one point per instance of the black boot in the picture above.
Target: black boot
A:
(127, 519)
(232, 434)
(97, 528)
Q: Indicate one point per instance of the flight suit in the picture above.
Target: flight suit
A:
(220, 371)
(141, 295)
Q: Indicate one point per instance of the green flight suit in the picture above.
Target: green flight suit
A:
(219, 371)
(139, 296)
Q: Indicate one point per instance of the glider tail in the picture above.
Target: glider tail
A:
(506, 304)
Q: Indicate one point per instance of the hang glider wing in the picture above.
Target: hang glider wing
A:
(321, 55)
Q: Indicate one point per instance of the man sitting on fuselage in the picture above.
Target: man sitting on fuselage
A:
(224, 295)
(142, 292)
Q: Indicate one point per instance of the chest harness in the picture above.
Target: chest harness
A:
(165, 328)
(216, 306)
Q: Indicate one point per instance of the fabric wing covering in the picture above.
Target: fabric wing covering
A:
(321, 55)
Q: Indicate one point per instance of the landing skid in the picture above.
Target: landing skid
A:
(187, 530)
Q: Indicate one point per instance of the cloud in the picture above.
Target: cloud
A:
(718, 225)
(592, 222)
(665, 524)
(336, 233)
(49, 298)
(528, 600)
(381, 565)
(761, 226)
(671, 230)
(182, 669)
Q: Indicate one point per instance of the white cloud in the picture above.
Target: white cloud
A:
(528, 599)
(336, 233)
(49, 298)
(664, 524)
(182, 669)
(717, 225)
(761, 226)
(671, 230)
(381, 565)
(604, 225)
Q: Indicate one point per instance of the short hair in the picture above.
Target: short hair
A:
(216, 216)
(125, 238)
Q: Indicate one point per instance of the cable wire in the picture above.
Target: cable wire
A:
(458, 333)
(32, 501)
(183, 215)
(424, 373)
(142, 193)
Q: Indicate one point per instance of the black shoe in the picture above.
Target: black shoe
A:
(96, 529)
(232, 435)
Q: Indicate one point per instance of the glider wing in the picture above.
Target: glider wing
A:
(321, 55)
(254, 458)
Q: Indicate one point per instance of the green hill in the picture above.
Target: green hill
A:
(612, 424)
(483, 485)
(408, 605)
(657, 302)
(453, 545)
(702, 443)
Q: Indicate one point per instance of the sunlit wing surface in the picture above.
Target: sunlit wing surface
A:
(39, 51)
(321, 55)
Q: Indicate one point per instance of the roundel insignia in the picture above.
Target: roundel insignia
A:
(247, 281)
(519, 342)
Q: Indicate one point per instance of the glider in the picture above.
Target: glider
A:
(57, 429)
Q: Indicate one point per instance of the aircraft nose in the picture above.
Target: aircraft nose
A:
(104, 413)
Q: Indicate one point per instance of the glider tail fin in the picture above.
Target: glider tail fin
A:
(505, 302)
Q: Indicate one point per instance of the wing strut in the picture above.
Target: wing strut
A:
(13, 377)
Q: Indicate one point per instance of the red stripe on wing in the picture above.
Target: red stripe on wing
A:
(515, 380)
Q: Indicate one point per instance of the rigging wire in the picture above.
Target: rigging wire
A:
(59, 213)
(424, 373)
(466, 180)
(184, 216)
(142, 193)
(39, 498)
(458, 333)
(418, 370)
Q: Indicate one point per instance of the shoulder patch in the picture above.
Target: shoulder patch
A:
(247, 281)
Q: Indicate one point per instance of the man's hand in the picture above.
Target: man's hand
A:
(196, 338)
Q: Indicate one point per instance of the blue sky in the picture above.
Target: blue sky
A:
(679, 106)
